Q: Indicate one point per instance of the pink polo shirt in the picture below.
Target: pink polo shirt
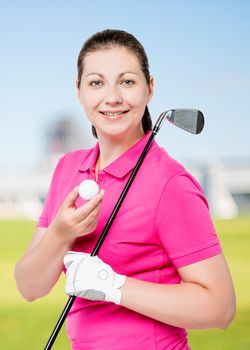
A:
(163, 224)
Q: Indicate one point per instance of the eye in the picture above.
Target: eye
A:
(96, 83)
(128, 82)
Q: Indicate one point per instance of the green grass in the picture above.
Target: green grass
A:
(25, 326)
(28, 325)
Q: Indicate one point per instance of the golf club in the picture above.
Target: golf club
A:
(191, 120)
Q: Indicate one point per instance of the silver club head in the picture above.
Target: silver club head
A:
(191, 120)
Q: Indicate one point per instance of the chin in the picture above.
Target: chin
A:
(115, 132)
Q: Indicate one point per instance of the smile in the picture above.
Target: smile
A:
(114, 115)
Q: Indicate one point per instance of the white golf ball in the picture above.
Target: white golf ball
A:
(88, 189)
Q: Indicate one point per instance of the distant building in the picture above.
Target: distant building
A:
(216, 189)
(226, 187)
(64, 135)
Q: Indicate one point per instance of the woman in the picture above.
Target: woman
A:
(161, 268)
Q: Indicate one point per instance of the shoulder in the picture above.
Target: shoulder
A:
(166, 179)
(171, 175)
(164, 166)
(73, 160)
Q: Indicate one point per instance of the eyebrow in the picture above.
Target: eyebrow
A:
(102, 76)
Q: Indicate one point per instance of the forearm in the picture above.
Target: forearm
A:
(186, 305)
(38, 270)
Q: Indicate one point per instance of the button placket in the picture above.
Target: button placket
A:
(92, 173)
(101, 177)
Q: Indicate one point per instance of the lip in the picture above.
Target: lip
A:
(119, 115)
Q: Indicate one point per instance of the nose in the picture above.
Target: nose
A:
(113, 96)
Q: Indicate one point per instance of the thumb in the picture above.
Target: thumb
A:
(71, 198)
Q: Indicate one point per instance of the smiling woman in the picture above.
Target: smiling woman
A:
(161, 269)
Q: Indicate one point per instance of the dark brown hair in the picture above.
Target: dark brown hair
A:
(113, 37)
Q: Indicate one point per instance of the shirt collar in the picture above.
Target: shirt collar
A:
(123, 164)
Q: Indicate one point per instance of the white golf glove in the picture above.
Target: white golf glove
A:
(90, 278)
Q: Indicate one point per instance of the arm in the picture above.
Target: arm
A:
(205, 299)
(41, 265)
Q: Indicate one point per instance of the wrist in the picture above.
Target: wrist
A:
(116, 293)
(123, 290)
(58, 237)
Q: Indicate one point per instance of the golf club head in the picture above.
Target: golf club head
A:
(191, 120)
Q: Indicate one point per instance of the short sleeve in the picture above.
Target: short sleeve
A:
(43, 220)
(183, 222)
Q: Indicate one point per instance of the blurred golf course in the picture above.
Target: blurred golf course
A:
(27, 326)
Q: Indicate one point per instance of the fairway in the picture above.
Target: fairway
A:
(28, 325)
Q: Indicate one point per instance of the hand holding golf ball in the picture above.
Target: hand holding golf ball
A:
(73, 221)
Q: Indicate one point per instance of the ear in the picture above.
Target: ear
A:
(151, 88)
(77, 87)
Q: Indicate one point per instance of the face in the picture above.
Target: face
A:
(114, 92)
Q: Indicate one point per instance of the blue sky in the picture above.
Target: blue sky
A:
(198, 51)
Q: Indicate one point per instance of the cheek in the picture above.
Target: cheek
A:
(89, 100)
(139, 99)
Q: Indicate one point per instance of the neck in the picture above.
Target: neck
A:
(113, 147)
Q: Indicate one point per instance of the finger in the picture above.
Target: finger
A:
(90, 227)
(89, 221)
(82, 212)
(84, 223)
(69, 201)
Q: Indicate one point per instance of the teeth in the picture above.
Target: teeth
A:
(112, 114)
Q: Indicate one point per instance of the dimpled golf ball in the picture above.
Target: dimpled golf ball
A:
(88, 189)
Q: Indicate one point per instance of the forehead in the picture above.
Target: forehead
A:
(111, 59)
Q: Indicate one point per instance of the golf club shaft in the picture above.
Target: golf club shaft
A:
(102, 237)
(60, 322)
